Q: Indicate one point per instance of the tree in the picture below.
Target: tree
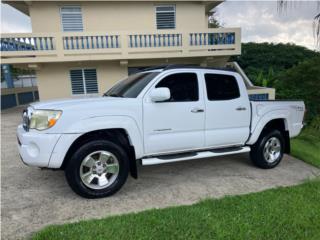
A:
(262, 62)
(316, 29)
(213, 22)
(302, 82)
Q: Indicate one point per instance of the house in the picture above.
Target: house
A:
(81, 48)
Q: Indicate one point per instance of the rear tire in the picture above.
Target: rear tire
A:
(99, 168)
(267, 152)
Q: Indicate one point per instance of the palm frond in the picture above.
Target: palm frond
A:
(282, 5)
(316, 30)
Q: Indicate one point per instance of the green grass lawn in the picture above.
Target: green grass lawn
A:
(283, 213)
(307, 146)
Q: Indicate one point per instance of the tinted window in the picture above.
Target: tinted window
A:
(183, 87)
(221, 87)
(131, 86)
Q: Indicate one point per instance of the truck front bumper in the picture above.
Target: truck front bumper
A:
(35, 148)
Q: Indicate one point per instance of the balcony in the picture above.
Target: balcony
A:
(62, 47)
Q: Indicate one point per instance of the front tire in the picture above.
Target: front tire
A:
(267, 152)
(97, 169)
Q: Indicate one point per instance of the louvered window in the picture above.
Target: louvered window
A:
(71, 18)
(166, 16)
(84, 81)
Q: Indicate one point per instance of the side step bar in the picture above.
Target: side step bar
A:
(193, 155)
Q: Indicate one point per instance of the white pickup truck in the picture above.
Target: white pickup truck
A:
(161, 115)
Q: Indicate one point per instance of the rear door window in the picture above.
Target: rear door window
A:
(221, 87)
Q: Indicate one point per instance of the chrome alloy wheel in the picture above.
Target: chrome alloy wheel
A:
(99, 169)
(272, 150)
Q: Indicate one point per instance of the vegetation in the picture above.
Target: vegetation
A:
(16, 72)
(283, 213)
(263, 62)
(213, 22)
(301, 82)
(307, 145)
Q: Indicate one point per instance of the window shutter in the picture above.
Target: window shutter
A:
(77, 81)
(91, 80)
(84, 81)
(166, 17)
(71, 18)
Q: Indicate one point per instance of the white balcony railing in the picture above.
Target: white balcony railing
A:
(53, 47)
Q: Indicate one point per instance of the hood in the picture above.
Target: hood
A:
(74, 111)
(65, 104)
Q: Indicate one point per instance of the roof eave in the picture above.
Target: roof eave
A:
(212, 4)
(21, 6)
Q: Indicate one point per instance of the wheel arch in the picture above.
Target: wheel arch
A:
(117, 135)
(280, 124)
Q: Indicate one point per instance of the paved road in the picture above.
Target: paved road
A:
(33, 198)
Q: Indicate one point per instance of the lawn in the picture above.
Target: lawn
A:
(307, 146)
(283, 213)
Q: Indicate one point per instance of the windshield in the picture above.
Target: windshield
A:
(131, 86)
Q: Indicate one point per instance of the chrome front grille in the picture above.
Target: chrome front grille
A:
(25, 120)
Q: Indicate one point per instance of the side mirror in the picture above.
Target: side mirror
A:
(160, 94)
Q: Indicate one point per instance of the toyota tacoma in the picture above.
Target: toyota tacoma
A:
(161, 115)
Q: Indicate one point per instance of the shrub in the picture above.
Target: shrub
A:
(302, 82)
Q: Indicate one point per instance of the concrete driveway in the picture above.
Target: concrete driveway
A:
(33, 198)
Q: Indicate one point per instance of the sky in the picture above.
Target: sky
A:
(260, 21)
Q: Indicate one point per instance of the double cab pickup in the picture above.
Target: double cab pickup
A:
(161, 115)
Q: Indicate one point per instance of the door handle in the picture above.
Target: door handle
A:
(197, 110)
(241, 108)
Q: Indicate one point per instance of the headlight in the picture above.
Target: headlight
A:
(44, 119)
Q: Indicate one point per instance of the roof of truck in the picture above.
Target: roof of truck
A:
(182, 66)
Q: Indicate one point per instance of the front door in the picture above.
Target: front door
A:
(178, 123)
